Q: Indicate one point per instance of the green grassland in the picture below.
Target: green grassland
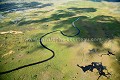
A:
(97, 20)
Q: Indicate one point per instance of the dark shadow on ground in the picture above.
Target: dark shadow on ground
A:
(56, 16)
(60, 14)
(82, 10)
(10, 7)
(102, 27)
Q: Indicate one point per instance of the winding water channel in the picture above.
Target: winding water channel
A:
(53, 53)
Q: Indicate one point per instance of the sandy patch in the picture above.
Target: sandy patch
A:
(9, 53)
(11, 32)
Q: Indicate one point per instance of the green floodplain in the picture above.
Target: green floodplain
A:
(24, 22)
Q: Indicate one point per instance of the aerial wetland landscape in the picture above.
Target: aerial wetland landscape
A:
(59, 39)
